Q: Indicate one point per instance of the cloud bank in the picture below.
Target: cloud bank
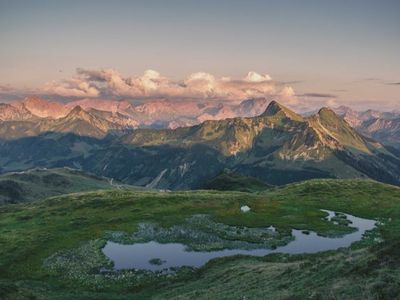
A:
(109, 84)
(318, 95)
(199, 85)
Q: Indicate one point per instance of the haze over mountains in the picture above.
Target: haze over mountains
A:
(274, 144)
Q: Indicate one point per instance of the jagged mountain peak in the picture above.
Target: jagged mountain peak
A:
(274, 108)
(34, 100)
(43, 108)
(342, 109)
(78, 112)
(82, 122)
(328, 117)
(10, 113)
(327, 112)
(336, 133)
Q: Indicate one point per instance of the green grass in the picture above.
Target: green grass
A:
(36, 184)
(31, 232)
(230, 181)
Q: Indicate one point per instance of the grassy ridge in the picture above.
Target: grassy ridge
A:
(36, 184)
(31, 232)
(230, 181)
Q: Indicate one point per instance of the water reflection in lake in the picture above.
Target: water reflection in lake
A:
(143, 255)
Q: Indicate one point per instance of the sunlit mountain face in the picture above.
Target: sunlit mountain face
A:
(276, 146)
(160, 113)
(166, 113)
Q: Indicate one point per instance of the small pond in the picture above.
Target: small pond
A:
(156, 256)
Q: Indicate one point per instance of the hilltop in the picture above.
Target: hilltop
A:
(37, 184)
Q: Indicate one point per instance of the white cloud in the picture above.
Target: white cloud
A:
(74, 87)
(199, 85)
(255, 77)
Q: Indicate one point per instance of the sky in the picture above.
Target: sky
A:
(319, 52)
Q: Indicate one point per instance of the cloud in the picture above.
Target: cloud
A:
(151, 84)
(371, 79)
(75, 87)
(382, 81)
(312, 100)
(255, 77)
(5, 88)
(9, 93)
(318, 95)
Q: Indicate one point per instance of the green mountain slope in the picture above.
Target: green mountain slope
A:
(230, 181)
(277, 147)
(38, 184)
(280, 146)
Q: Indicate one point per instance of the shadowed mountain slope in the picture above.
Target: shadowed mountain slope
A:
(38, 184)
(277, 147)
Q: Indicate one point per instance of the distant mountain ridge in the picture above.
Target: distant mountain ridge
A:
(382, 126)
(277, 147)
(150, 113)
(42, 108)
(114, 115)
(11, 113)
(78, 121)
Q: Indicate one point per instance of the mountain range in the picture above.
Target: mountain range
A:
(277, 146)
(157, 113)
(382, 126)
(117, 115)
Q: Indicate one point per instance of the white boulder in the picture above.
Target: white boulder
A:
(245, 208)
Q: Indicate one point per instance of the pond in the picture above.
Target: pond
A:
(156, 256)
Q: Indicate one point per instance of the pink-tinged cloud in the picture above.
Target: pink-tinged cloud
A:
(199, 85)
(74, 87)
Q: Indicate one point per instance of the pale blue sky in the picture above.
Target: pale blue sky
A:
(330, 46)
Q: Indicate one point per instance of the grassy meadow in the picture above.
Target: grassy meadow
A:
(32, 232)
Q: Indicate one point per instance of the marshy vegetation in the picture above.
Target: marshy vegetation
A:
(32, 234)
